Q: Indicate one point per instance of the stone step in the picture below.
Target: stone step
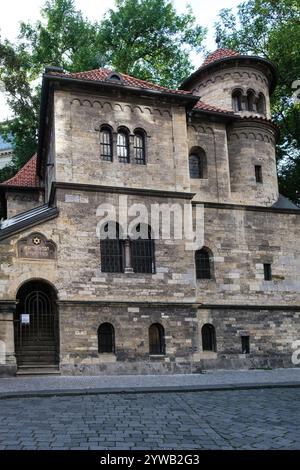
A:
(36, 369)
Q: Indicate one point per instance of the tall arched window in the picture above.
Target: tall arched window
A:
(197, 163)
(208, 334)
(106, 145)
(142, 250)
(157, 339)
(261, 104)
(237, 99)
(111, 249)
(251, 106)
(203, 262)
(139, 147)
(106, 338)
(123, 146)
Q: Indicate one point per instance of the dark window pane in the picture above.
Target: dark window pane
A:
(156, 339)
(258, 174)
(139, 149)
(195, 164)
(237, 101)
(106, 145)
(268, 272)
(123, 147)
(142, 252)
(208, 338)
(245, 344)
(202, 260)
(112, 250)
(106, 338)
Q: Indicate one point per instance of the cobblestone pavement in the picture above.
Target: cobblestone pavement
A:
(236, 419)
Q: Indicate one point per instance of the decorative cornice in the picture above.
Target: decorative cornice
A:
(122, 303)
(118, 190)
(249, 307)
(219, 205)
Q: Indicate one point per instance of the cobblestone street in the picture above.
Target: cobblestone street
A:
(237, 419)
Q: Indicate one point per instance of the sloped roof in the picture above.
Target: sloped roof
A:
(284, 203)
(210, 108)
(219, 54)
(26, 176)
(102, 75)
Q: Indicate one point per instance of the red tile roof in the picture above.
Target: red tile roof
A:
(101, 75)
(213, 109)
(26, 176)
(219, 54)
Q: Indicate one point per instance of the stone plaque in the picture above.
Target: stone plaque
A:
(36, 246)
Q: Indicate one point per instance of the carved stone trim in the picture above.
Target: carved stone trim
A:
(36, 246)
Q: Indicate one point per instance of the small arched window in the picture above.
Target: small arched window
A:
(106, 145)
(157, 339)
(139, 147)
(208, 334)
(261, 104)
(197, 163)
(106, 338)
(111, 249)
(237, 99)
(123, 146)
(142, 250)
(251, 101)
(203, 262)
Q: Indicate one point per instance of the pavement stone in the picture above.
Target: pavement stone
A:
(229, 419)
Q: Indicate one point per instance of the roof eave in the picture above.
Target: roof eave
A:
(226, 116)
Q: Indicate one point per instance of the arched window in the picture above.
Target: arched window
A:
(157, 339)
(111, 249)
(139, 147)
(123, 146)
(142, 250)
(197, 163)
(106, 146)
(203, 261)
(251, 101)
(106, 338)
(261, 104)
(208, 338)
(237, 99)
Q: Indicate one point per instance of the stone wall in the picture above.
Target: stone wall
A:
(272, 333)
(241, 241)
(250, 144)
(79, 324)
(22, 201)
(212, 138)
(78, 118)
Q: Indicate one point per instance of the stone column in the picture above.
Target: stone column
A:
(128, 261)
(8, 363)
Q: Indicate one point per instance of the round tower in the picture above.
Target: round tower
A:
(242, 85)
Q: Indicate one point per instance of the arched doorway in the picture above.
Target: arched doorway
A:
(36, 325)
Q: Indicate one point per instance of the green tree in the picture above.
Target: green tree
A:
(271, 29)
(144, 38)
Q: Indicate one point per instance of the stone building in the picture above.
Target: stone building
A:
(76, 300)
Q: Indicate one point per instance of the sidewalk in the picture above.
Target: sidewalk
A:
(210, 380)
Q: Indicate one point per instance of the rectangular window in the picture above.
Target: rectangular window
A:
(268, 272)
(245, 344)
(258, 174)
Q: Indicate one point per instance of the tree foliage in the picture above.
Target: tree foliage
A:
(271, 29)
(144, 38)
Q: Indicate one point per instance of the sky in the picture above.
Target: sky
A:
(15, 11)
